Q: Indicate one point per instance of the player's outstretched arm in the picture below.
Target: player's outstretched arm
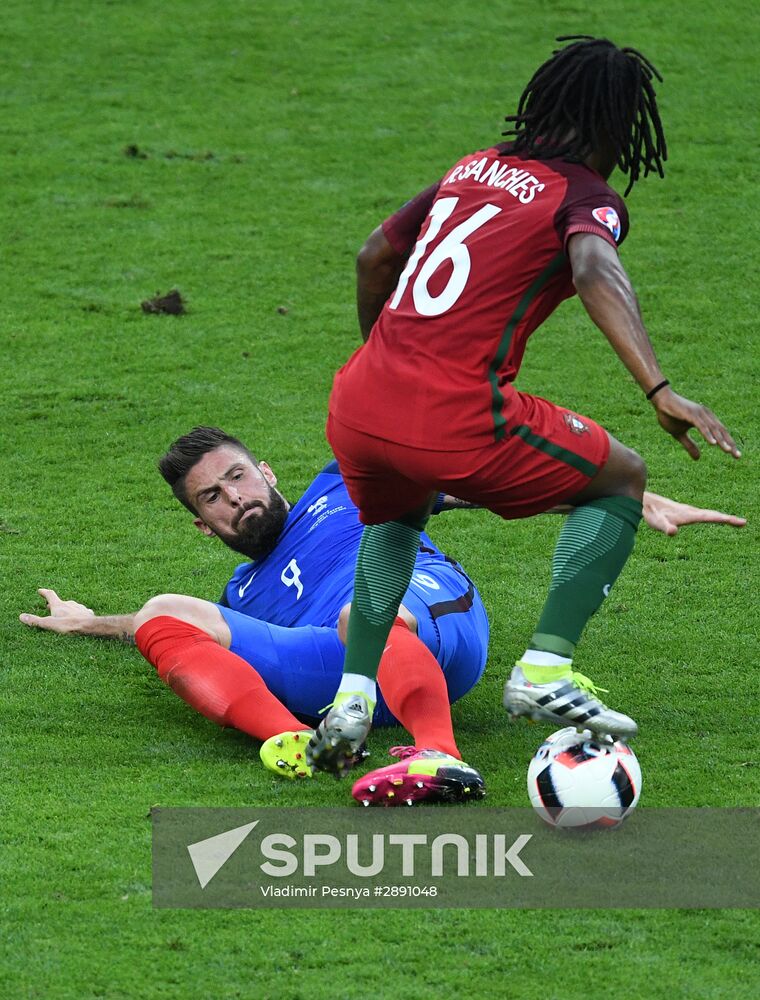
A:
(73, 618)
(608, 297)
(378, 267)
(447, 502)
(666, 515)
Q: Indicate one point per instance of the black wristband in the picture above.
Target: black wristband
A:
(660, 385)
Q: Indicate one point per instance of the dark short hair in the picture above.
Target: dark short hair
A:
(185, 453)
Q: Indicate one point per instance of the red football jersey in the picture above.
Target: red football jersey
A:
(487, 265)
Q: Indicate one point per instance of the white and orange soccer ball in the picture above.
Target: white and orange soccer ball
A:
(581, 781)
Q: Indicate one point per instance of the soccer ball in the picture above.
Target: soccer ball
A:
(579, 780)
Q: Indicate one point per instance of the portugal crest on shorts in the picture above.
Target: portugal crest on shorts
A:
(609, 218)
(575, 424)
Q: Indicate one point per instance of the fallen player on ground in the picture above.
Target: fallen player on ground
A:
(267, 658)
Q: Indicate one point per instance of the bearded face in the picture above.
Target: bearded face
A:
(257, 526)
(235, 499)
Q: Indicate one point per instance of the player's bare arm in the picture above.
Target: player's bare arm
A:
(448, 502)
(378, 267)
(73, 618)
(608, 297)
(660, 513)
(666, 515)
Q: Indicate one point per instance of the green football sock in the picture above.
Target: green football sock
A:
(384, 568)
(592, 549)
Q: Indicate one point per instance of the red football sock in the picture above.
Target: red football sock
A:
(414, 689)
(216, 682)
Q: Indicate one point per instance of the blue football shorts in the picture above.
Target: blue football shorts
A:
(302, 666)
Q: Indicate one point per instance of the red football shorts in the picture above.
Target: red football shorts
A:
(547, 456)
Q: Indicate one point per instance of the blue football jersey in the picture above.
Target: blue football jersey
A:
(309, 575)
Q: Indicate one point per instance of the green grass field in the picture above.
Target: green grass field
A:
(241, 152)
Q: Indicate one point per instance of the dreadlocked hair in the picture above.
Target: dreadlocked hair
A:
(590, 93)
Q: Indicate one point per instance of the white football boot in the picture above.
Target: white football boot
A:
(569, 700)
(338, 741)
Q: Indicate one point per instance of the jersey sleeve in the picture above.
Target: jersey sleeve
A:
(592, 207)
(331, 469)
(402, 228)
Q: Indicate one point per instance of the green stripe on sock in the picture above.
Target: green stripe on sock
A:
(624, 507)
(592, 549)
(552, 644)
(384, 568)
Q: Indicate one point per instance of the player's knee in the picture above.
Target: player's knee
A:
(163, 605)
(636, 473)
(191, 610)
(408, 618)
(345, 611)
(625, 473)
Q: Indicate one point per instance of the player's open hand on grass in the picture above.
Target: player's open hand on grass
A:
(64, 617)
(666, 515)
(677, 415)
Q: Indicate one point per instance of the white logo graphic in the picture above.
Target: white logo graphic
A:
(423, 580)
(317, 507)
(281, 855)
(609, 218)
(324, 850)
(575, 424)
(246, 585)
(209, 855)
(606, 589)
(294, 579)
